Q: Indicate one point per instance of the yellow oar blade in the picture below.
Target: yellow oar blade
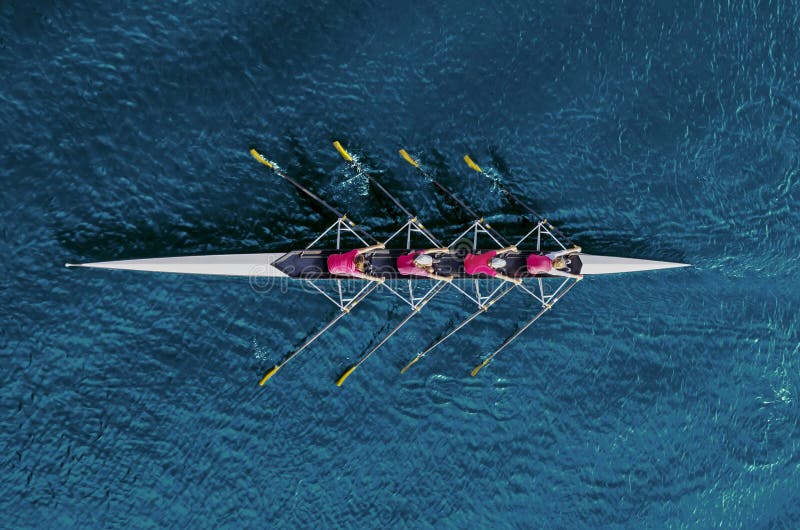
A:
(342, 151)
(408, 158)
(472, 164)
(346, 375)
(409, 365)
(479, 367)
(260, 158)
(269, 374)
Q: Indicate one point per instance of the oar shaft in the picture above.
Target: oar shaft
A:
(458, 201)
(386, 192)
(314, 337)
(433, 292)
(358, 167)
(329, 325)
(521, 330)
(530, 323)
(452, 196)
(387, 337)
(453, 331)
(469, 319)
(404, 210)
(275, 169)
(417, 309)
(510, 196)
(292, 181)
(513, 198)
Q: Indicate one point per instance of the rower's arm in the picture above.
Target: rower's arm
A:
(436, 250)
(556, 272)
(573, 250)
(371, 248)
(512, 248)
(365, 276)
(508, 278)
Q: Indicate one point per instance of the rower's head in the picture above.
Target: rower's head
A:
(423, 260)
(497, 263)
(361, 263)
(560, 262)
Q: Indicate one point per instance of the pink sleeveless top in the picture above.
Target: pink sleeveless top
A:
(539, 264)
(343, 264)
(479, 263)
(406, 265)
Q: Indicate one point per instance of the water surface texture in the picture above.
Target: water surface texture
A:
(644, 130)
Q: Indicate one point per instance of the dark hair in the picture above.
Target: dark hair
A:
(360, 262)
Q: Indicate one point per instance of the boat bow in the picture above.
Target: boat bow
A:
(612, 265)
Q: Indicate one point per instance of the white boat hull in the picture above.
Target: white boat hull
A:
(613, 265)
(250, 265)
(260, 265)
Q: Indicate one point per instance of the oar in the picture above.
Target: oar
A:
(513, 198)
(278, 171)
(521, 330)
(361, 170)
(318, 334)
(416, 310)
(498, 237)
(453, 197)
(453, 331)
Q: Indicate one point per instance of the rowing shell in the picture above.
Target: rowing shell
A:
(310, 264)
(277, 265)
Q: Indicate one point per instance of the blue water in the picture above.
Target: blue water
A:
(654, 131)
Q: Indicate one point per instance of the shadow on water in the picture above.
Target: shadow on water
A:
(256, 232)
(148, 239)
(499, 162)
(504, 169)
(303, 169)
(616, 241)
(330, 188)
(626, 244)
(224, 234)
(242, 232)
(438, 167)
(382, 176)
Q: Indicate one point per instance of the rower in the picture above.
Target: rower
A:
(420, 263)
(553, 263)
(353, 263)
(489, 263)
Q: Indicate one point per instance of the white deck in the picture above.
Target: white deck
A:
(613, 265)
(260, 265)
(219, 265)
